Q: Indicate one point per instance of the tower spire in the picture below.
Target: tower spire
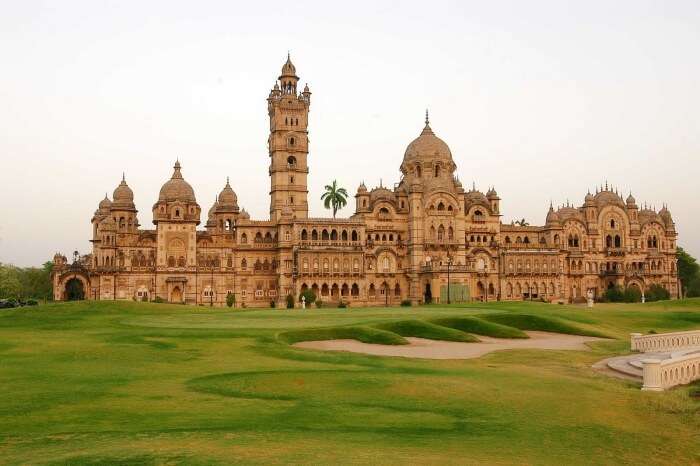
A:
(427, 119)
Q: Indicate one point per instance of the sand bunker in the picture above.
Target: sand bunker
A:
(435, 349)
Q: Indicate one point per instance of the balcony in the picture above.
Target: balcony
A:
(614, 252)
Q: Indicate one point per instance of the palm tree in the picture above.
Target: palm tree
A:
(334, 198)
(522, 222)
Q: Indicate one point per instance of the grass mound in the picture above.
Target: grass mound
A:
(541, 323)
(360, 333)
(480, 327)
(423, 329)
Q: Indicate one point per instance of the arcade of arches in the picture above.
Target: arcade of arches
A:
(414, 241)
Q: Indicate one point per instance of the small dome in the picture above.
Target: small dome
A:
(176, 188)
(590, 198)
(492, 194)
(631, 200)
(227, 198)
(552, 216)
(608, 197)
(362, 188)
(105, 204)
(245, 215)
(288, 69)
(123, 195)
(212, 210)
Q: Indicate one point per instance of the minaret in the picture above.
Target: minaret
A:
(288, 144)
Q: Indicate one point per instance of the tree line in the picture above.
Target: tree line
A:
(22, 283)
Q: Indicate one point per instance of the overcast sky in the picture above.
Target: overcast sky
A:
(542, 99)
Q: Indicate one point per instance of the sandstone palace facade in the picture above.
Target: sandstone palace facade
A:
(414, 242)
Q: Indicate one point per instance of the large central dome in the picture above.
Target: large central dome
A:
(427, 147)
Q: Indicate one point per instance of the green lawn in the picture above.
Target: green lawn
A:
(131, 383)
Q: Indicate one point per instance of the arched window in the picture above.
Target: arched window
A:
(344, 235)
(507, 239)
(441, 233)
(291, 161)
(304, 235)
(334, 235)
(355, 290)
(608, 241)
(526, 240)
(441, 206)
(618, 241)
(314, 235)
(418, 171)
(324, 235)
(356, 265)
(353, 235)
(450, 233)
(437, 171)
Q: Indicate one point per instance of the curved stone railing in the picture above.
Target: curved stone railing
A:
(665, 341)
(662, 374)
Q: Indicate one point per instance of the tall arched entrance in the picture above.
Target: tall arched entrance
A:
(74, 290)
(428, 295)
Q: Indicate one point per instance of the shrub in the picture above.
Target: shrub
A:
(32, 302)
(309, 295)
(342, 304)
(319, 303)
(144, 299)
(406, 303)
(290, 301)
(614, 294)
(158, 299)
(422, 329)
(657, 292)
(632, 295)
(230, 299)
(6, 304)
(274, 304)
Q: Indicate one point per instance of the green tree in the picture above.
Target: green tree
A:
(10, 285)
(688, 272)
(522, 222)
(335, 197)
(230, 299)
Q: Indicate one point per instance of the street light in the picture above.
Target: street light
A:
(449, 263)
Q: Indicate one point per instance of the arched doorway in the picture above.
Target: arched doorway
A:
(75, 291)
(428, 295)
(176, 295)
(480, 291)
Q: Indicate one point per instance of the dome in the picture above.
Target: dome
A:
(176, 188)
(552, 216)
(476, 197)
(123, 195)
(288, 69)
(492, 194)
(608, 197)
(362, 188)
(212, 210)
(245, 215)
(631, 200)
(105, 204)
(568, 212)
(227, 198)
(590, 198)
(427, 146)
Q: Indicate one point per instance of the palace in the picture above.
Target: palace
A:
(426, 240)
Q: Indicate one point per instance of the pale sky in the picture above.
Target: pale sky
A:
(542, 99)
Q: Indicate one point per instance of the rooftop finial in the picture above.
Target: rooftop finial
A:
(427, 119)
(606, 185)
(124, 177)
(473, 186)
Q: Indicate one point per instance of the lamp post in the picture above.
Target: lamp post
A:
(211, 289)
(449, 263)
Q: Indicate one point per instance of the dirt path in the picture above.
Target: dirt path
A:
(436, 349)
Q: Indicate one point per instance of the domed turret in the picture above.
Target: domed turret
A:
(176, 188)
(631, 201)
(362, 188)
(123, 196)
(227, 200)
(176, 201)
(552, 217)
(491, 194)
(212, 209)
(589, 199)
(105, 205)
(245, 215)
(288, 69)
